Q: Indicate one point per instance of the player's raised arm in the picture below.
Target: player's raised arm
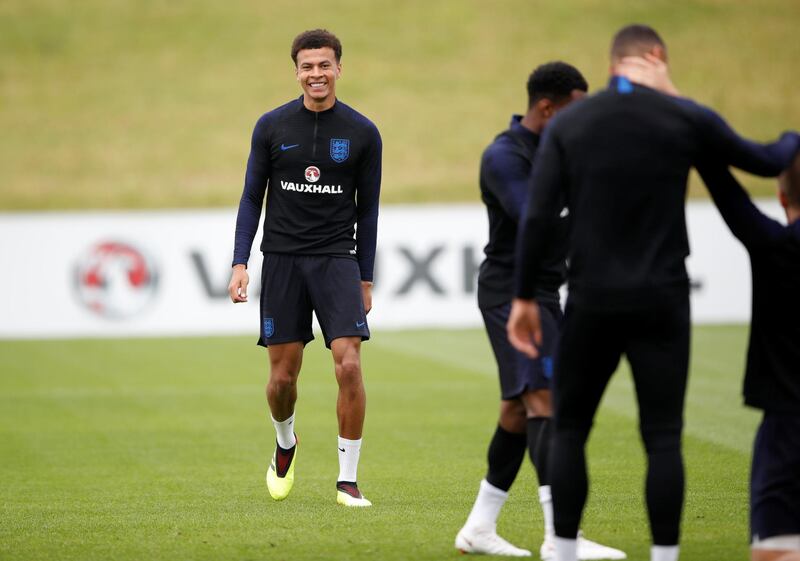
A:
(722, 143)
(744, 219)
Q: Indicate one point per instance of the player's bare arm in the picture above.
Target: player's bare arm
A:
(525, 326)
(238, 285)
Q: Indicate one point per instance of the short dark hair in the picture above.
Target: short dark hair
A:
(316, 39)
(790, 182)
(554, 81)
(635, 40)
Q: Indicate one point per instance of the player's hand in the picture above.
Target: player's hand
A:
(525, 327)
(238, 286)
(649, 71)
(366, 294)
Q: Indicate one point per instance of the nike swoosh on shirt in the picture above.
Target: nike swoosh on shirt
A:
(284, 147)
(361, 324)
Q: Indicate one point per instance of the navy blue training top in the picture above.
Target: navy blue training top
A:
(505, 169)
(619, 160)
(772, 376)
(323, 170)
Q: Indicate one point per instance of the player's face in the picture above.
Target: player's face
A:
(317, 72)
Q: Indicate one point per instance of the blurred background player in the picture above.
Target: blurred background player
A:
(524, 383)
(621, 160)
(322, 162)
(772, 378)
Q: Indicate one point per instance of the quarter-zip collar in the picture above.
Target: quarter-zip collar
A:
(524, 133)
(331, 109)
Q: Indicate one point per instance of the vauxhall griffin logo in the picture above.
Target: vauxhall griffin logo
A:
(312, 174)
(115, 280)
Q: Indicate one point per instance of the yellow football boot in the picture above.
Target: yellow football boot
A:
(280, 474)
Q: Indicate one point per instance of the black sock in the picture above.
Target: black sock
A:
(539, 446)
(506, 451)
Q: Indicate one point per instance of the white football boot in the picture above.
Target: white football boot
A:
(485, 540)
(587, 550)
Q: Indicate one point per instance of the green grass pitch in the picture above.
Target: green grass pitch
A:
(157, 448)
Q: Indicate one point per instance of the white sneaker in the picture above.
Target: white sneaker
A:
(587, 550)
(485, 540)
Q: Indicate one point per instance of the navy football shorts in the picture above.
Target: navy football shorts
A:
(518, 373)
(294, 286)
(775, 477)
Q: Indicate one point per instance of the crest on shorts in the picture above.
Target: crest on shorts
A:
(340, 149)
(269, 327)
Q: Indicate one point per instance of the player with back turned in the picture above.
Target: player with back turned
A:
(620, 161)
(319, 163)
(524, 383)
(772, 379)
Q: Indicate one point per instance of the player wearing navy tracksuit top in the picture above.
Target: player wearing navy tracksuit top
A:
(620, 159)
(524, 383)
(316, 163)
(319, 163)
(772, 378)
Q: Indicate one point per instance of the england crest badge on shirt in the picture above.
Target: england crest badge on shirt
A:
(340, 149)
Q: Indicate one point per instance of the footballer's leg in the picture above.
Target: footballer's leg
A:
(589, 351)
(658, 352)
(335, 289)
(285, 329)
(285, 361)
(506, 449)
(350, 410)
(539, 410)
(505, 455)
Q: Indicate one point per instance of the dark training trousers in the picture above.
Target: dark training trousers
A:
(656, 343)
(775, 477)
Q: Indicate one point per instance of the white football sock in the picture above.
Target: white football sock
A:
(487, 506)
(546, 500)
(285, 432)
(664, 553)
(349, 452)
(566, 549)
